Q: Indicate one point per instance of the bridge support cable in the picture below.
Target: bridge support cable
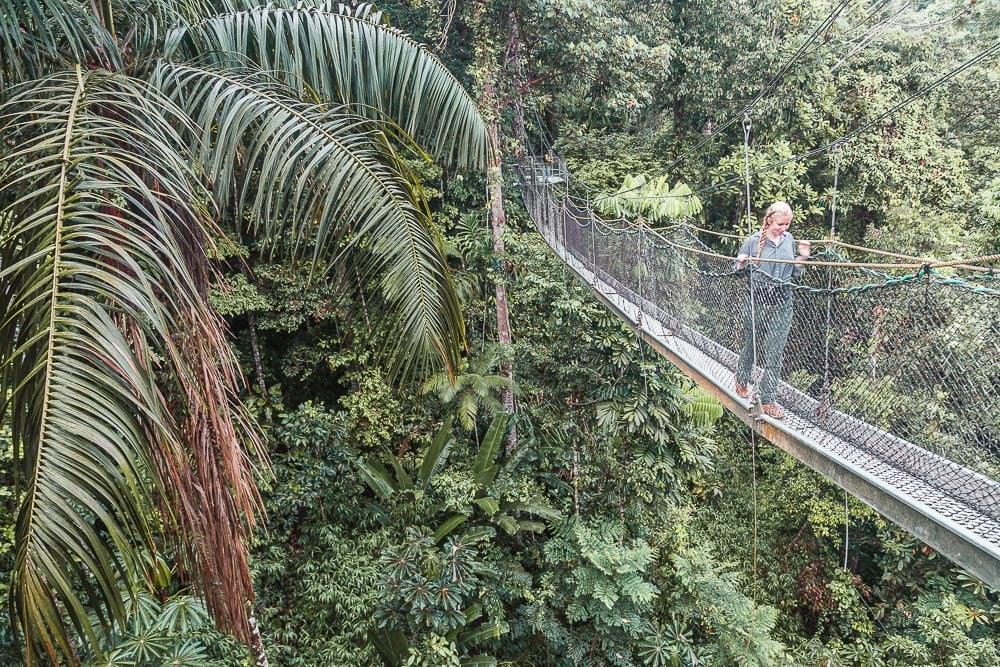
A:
(753, 340)
(909, 360)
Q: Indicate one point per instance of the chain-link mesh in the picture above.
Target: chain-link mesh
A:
(900, 367)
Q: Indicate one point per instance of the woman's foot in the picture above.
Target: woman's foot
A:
(772, 410)
(741, 390)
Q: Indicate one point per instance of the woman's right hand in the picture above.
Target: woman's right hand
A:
(741, 260)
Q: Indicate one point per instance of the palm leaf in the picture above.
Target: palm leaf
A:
(702, 408)
(39, 35)
(316, 177)
(348, 58)
(116, 373)
(144, 24)
(436, 454)
(484, 468)
(445, 529)
(376, 477)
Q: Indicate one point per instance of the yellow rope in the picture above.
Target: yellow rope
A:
(886, 253)
(983, 259)
(968, 264)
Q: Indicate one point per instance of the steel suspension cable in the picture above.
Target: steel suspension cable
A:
(848, 136)
(753, 334)
(826, 401)
(772, 83)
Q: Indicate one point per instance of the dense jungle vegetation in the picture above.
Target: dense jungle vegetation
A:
(257, 190)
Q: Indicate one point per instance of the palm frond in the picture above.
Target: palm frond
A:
(702, 408)
(348, 58)
(143, 25)
(313, 177)
(37, 36)
(120, 382)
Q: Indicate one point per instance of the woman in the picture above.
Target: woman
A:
(771, 313)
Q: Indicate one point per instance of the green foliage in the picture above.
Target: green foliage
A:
(596, 593)
(472, 390)
(132, 131)
(317, 569)
(735, 631)
(607, 61)
(236, 295)
(465, 492)
(703, 409)
(623, 528)
(430, 585)
(177, 631)
(652, 199)
(603, 158)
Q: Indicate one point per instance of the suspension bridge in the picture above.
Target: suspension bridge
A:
(890, 377)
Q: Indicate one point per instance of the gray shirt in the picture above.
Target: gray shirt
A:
(784, 249)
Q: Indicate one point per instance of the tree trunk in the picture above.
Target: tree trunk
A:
(498, 220)
(256, 643)
(491, 108)
(258, 366)
(514, 67)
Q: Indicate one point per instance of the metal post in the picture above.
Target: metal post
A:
(593, 249)
(640, 267)
(826, 400)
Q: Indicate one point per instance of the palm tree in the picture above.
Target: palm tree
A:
(471, 389)
(132, 132)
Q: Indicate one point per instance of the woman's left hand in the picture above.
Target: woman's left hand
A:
(805, 248)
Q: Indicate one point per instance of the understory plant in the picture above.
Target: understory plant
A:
(136, 136)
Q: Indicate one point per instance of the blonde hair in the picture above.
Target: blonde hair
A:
(772, 210)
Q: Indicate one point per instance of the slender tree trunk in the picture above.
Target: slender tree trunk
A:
(258, 366)
(514, 65)
(256, 643)
(491, 107)
(498, 220)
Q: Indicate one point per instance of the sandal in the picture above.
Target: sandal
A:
(772, 410)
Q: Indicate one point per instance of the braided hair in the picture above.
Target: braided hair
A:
(773, 209)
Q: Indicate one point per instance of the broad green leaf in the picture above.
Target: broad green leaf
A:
(531, 526)
(478, 635)
(437, 453)
(484, 469)
(508, 523)
(403, 480)
(391, 644)
(536, 508)
(479, 661)
(448, 526)
(376, 477)
(489, 505)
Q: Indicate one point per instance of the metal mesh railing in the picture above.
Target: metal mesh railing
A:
(902, 363)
